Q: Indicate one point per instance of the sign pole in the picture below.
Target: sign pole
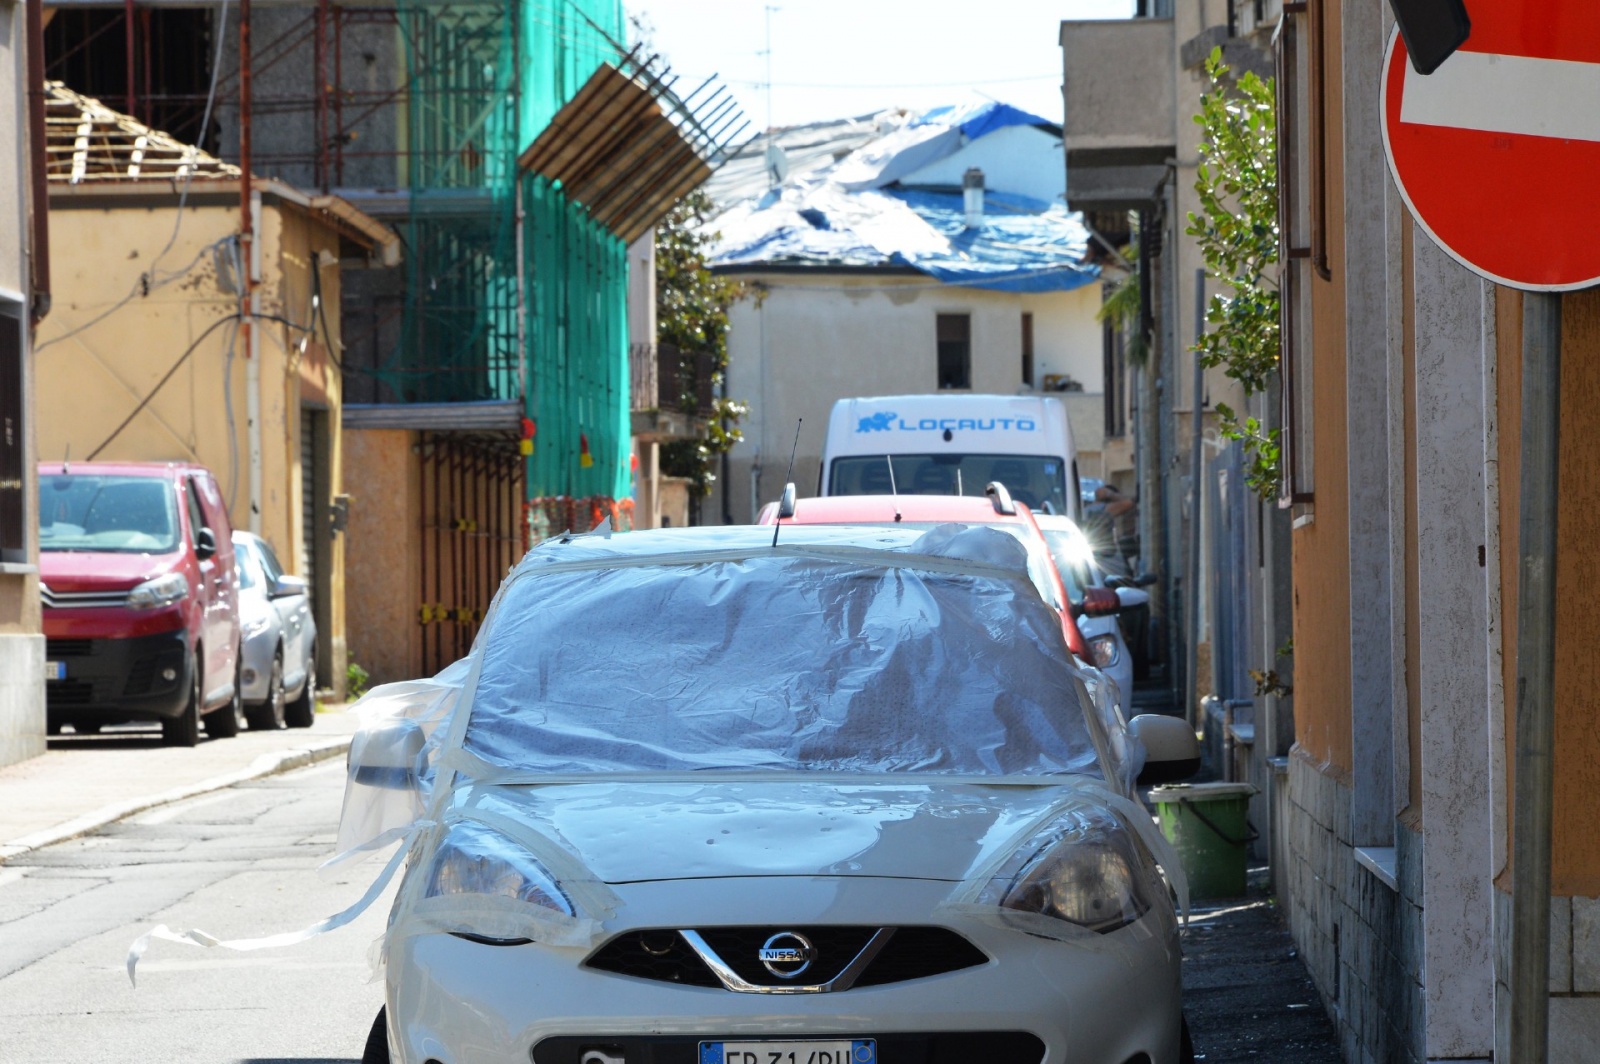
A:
(1535, 725)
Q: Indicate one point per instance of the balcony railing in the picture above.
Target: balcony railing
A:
(665, 377)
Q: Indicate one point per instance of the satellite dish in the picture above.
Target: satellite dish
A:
(777, 163)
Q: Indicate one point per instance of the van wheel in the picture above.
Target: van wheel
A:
(268, 716)
(184, 729)
(377, 1047)
(225, 723)
(302, 712)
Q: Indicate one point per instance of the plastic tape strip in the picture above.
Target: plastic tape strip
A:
(196, 937)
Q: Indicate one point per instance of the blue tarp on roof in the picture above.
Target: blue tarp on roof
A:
(853, 212)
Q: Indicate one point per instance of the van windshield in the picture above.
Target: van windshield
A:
(1038, 480)
(122, 515)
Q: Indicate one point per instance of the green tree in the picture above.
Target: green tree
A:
(692, 312)
(1237, 230)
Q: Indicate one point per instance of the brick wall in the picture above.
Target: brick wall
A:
(1360, 937)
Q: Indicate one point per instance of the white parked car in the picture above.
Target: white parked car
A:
(278, 663)
(1075, 561)
(701, 799)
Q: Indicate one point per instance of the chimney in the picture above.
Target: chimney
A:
(972, 196)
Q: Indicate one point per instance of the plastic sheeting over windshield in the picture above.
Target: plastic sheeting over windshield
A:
(789, 662)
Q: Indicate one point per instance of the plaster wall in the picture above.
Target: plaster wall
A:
(806, 343)
(1454, 348)
(385, 527)
(1125, 97)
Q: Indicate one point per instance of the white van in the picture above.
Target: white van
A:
(953, 444)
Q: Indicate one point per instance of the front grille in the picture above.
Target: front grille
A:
(69, 693)
(58, 649)
(836, 947)
(911, 953)
(660, 955)
(81, 599)
(918, 952)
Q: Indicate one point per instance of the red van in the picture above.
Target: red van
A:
(141, 602)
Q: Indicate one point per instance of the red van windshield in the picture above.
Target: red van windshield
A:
(119, 514)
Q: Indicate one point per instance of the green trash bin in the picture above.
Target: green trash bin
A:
(1208, 824)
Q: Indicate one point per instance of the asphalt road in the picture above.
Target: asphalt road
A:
(237, 863)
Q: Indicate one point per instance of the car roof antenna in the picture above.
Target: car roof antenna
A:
(894, 492)
(777, 524)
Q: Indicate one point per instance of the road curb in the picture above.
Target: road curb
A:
(263, 766)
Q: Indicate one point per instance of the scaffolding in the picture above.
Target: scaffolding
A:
(509, 290)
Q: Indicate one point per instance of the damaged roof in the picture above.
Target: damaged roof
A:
(92, 148)
(878, 191)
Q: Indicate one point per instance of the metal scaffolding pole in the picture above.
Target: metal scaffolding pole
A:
(1536, 629)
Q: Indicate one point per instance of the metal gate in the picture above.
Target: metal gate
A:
(471, 494)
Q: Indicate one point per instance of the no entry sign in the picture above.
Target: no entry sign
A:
(1497, 152)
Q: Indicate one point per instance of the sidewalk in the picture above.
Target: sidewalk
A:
(1246, 993)
(83, 782)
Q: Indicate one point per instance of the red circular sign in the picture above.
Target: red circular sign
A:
(1497, 152)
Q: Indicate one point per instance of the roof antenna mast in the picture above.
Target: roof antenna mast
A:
(894, 492)
(777, 524)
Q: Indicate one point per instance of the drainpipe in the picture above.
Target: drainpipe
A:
(1191, 575)
(1535, 726)
(249, 213)
(39, 253)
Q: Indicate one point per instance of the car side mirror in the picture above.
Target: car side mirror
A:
(1100, 602)
(1114, 581)
(1146, 579)
(205, 544)
(1172, 752)
(286, 585)
(786, 504)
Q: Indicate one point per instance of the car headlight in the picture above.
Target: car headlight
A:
(162, 591)
(1085, 872)
(1103, 649)
(474, 860)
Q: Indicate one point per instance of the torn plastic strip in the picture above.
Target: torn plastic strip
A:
(197, 937)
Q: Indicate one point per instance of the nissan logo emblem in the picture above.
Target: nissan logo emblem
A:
(787, 954)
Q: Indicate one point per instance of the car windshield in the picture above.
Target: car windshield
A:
(118, 514)
(245, 564)
(1034, 479)
(1066, 550)
(777, 663)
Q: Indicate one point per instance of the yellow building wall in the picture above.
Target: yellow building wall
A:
(1575, 860)
(110, 340)
(1321, 547)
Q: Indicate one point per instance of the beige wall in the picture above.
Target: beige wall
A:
(811, 341)
(385, 528)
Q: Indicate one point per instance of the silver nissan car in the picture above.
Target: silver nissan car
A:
(697, 797)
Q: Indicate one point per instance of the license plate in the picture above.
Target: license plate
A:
(859, 1051)
(55, 670)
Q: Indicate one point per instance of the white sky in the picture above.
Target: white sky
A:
(836, 58)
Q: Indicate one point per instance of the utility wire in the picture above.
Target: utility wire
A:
(213, 327)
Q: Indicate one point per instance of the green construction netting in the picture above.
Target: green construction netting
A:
(483, 80)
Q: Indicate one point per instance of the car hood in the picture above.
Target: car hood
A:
(77, 570)
(644, 831)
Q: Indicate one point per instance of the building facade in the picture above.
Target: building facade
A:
(23, 280)
(1406, 371)
(872, 271)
